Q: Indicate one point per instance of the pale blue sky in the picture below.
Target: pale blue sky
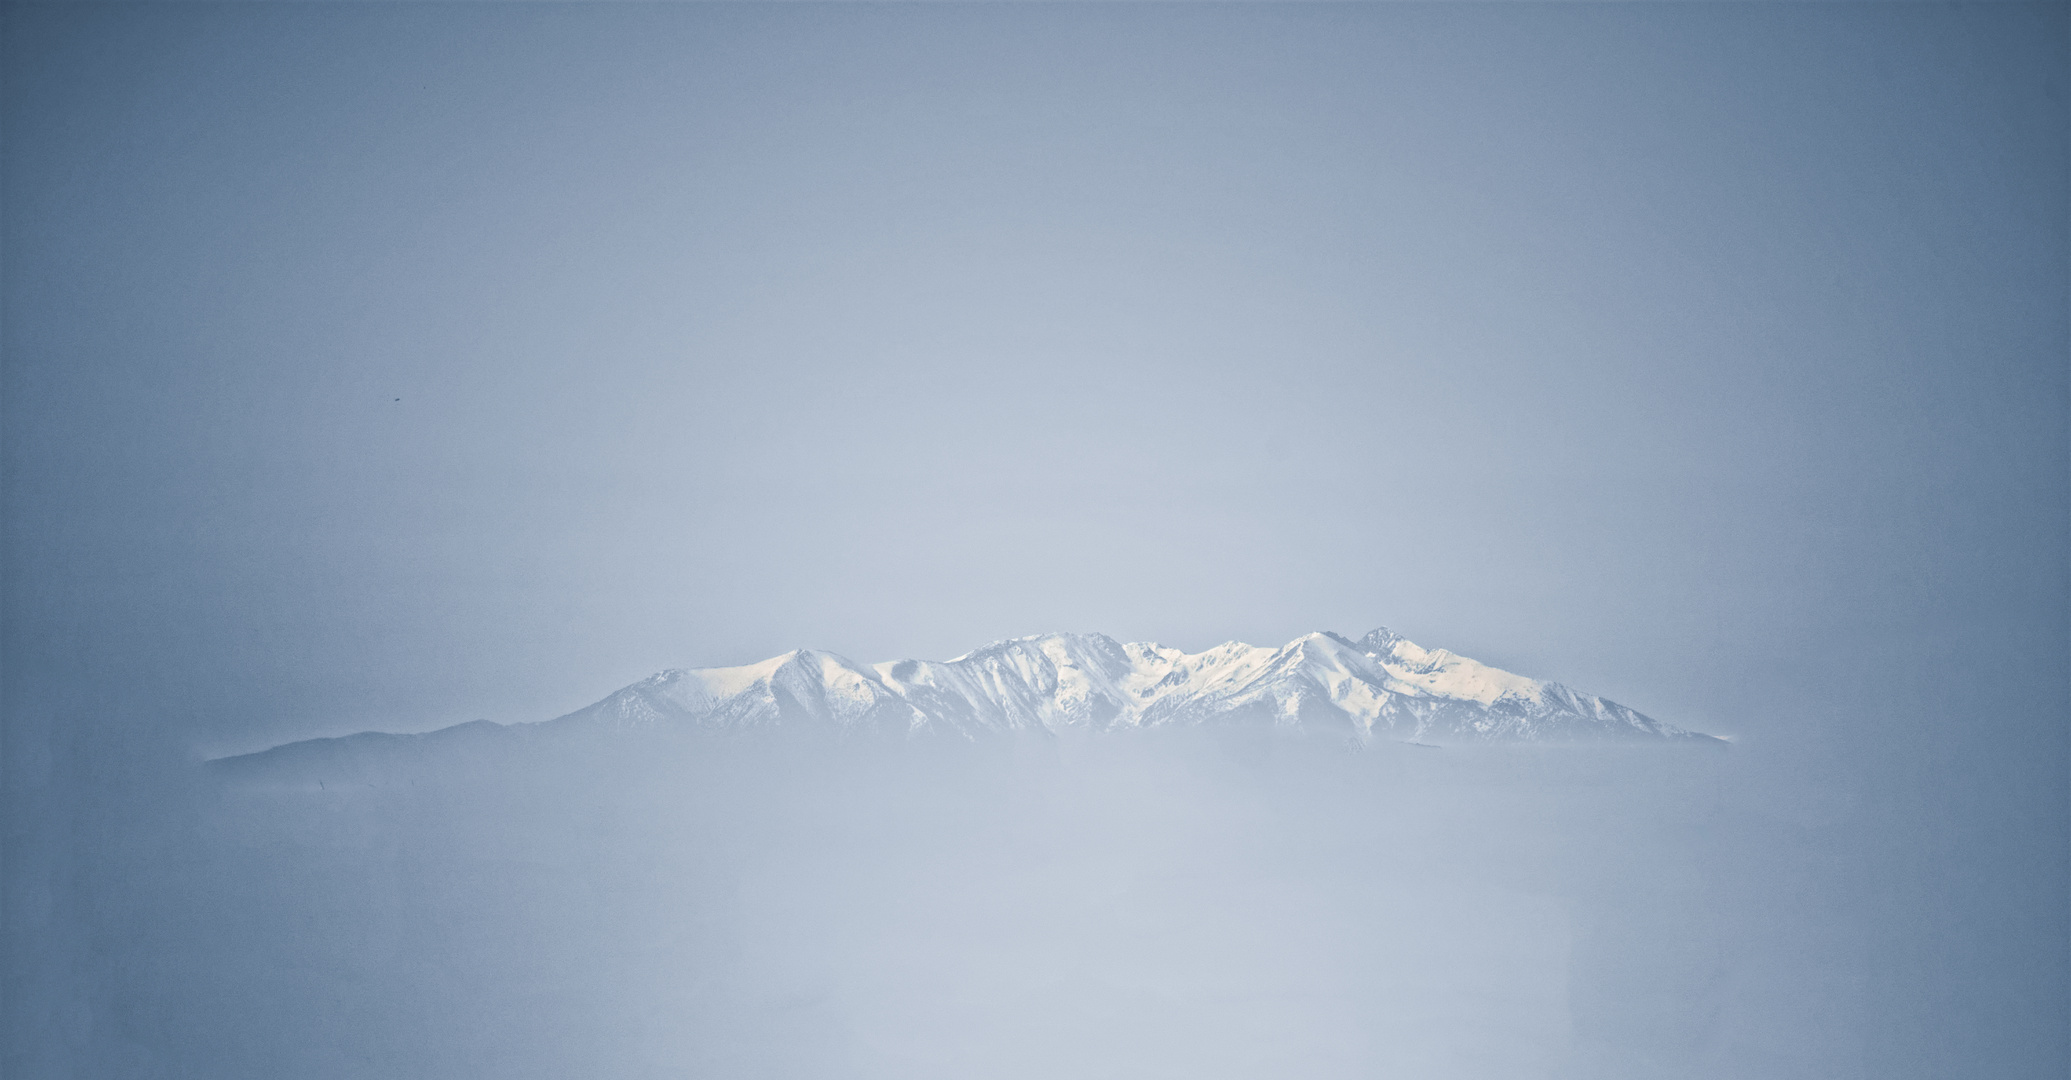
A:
(1585, 340)
(392, 366)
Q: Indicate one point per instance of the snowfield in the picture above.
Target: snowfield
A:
(1382, 686)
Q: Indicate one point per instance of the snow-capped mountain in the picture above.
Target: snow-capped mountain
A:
(1380, 687)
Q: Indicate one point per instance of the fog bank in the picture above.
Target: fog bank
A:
(1181, 906)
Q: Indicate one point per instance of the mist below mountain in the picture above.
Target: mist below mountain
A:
(1168, 903)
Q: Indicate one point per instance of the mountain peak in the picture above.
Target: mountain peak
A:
(1379, 640)
(1379, 687)
(1066, 638)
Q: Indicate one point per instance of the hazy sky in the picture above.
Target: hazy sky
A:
(390, 366)
(393, 366)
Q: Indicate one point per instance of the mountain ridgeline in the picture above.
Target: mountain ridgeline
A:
(1382, 687)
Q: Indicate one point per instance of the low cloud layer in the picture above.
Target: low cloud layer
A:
(1141, 906)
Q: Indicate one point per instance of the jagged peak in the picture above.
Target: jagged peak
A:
(1322, 642)
(1381, 686)
(1334, 639)
(1069, 637)
(1380, 639)
(1381, 681)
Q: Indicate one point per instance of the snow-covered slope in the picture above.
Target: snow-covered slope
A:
(1380, 687)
